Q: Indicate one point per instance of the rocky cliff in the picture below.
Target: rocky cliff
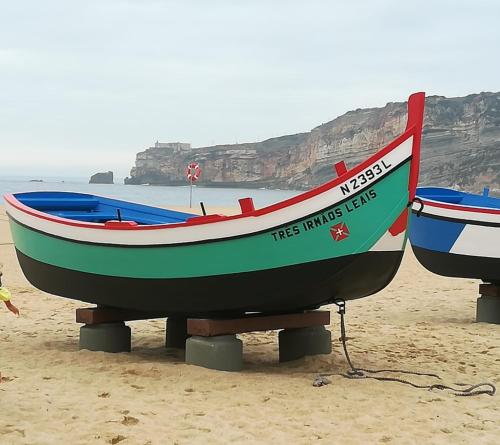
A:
(102, 178)
(460, 148)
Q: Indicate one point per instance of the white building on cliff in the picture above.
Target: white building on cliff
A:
(175, 146)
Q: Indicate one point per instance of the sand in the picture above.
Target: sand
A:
(52, 393)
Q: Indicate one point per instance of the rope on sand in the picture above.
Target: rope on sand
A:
(360, 373)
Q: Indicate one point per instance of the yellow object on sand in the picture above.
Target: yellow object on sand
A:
(4, 294)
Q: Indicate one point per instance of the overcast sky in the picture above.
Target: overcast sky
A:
(85, 85)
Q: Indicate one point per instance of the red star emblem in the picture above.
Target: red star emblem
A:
(339, 231)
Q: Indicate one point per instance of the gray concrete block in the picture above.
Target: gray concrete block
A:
(297, 343)
(107, 337)
(488, 309)
(176, 332)
(223, 352)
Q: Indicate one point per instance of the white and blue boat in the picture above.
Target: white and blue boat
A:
(457, 234)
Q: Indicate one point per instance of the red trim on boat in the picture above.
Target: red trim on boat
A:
(340, 168)
(413, 128)
(203, 218)
(400, 224)
(119, 224)
(246, 205)
(416, 104)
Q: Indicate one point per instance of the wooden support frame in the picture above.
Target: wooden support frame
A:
(211, 327)
(209, 342)
(97, 315)
(489, 290)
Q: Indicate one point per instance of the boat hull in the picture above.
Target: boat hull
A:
(297, 287)
(459, 266)
(303, 264)
(457, 240)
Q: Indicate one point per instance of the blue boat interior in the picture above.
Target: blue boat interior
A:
(90, 208)
(456, 197)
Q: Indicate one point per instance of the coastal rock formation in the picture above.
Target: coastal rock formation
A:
(102, 178)
(460, 148)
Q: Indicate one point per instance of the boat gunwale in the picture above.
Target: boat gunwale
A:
(226, 238)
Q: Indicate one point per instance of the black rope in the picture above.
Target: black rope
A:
(361, 373)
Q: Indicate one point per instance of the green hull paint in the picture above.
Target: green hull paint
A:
(367, 219)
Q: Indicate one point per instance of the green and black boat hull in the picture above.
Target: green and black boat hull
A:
(289, 288)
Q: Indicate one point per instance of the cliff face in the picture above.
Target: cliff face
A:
(460, 148)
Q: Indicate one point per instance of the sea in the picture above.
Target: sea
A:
(146, 194)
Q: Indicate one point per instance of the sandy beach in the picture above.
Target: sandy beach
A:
(53, 393)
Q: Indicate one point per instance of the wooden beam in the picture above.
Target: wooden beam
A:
(489, 290)
(209, 327)
(96, 315)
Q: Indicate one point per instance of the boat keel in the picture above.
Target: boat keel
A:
(460, 266)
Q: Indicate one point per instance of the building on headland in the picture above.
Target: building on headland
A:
(175, 146)
(152, 164)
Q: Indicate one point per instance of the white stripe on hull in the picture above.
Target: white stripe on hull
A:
(481, 241)
(209, 231)
(458, 214)
(389, 243)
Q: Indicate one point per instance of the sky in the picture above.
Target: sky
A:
(84, 86)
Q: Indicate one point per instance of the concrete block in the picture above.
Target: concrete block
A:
(488, 309)
(223, 352)
(107, 337)
(297, 343)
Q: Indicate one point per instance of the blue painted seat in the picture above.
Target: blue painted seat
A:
(89, 216)
(108, 216)
(61, 203)
(91, 208)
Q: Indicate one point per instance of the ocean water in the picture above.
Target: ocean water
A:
(152, 195)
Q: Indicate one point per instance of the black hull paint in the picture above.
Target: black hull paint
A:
(460, 266)
(291, 288)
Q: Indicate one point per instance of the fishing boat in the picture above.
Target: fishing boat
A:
(343, 239)
(457, 234)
